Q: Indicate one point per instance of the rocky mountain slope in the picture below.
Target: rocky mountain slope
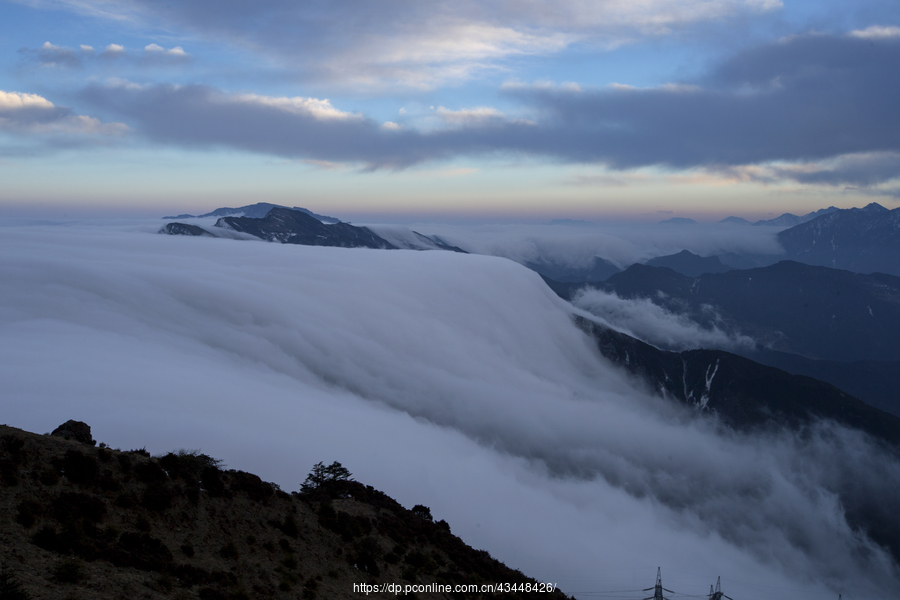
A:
(863, 240)
(689, 264)
(816, 312)
(293, 227)
(254, 211)
(300, 226)
(833, 325)
(79, 521)
(752, 398)
(743, 394)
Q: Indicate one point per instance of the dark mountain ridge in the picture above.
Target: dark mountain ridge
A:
(790, 220)
(688, 263)
(599, 269)
(863, 240)
(749, 397)
(293, 227)
(78, 521)
(742, 393)
(185, 229)
(254, 211)
(816, 312)
(836, 326)
(678, 221)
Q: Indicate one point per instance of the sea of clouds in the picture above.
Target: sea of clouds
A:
(450, 380)
(623, 245)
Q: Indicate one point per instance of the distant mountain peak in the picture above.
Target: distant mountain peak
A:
(864, 240)
(254, 211)
(689, 264)
(571, 222)
(791, 220)
(874, 207)
(290, 226)
(678, 221)
(735, 221)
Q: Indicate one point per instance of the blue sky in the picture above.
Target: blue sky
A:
(404, 110)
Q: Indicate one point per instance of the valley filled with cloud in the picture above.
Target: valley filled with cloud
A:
(457, 381)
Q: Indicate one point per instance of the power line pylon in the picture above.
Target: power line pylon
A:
(658, 589)
(717, 593)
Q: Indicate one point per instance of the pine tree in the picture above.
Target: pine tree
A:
(322, 477)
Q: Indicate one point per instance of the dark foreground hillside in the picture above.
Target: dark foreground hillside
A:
(82, 522)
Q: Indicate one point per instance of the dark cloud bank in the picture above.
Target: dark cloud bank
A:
(809, 98)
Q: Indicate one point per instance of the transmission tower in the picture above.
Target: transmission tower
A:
(716, 594)
(658, 589)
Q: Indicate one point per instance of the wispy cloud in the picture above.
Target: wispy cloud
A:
(406, 43)
(652, 323)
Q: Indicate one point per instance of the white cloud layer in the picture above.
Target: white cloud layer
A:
(10, 101)
(643, 319)
(28, 114)
(455, 381)
(877, 32)
(319, 109)
(621, 245)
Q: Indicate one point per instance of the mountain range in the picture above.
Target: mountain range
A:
(599, 270)
(741, 393)
(300, 226)
(688, 263)
(294, 227)
(816, 312)
(864, 240)
(834, 325)
(253, 211)
(784, 220)
(747, 396)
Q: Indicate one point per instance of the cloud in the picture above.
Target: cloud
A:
(156, 54)
(865, 169)
(28, 114)
(305, 128)
(877, 31)
(619, 244)
(51, 55)
(113, 51)
(647, 321)
(809, 97)
(806, 99)
(455, 381)
(467, 116)
(14, 101)
(297, 105)
(401, 42)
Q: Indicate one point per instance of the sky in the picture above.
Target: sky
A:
(465, 111)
